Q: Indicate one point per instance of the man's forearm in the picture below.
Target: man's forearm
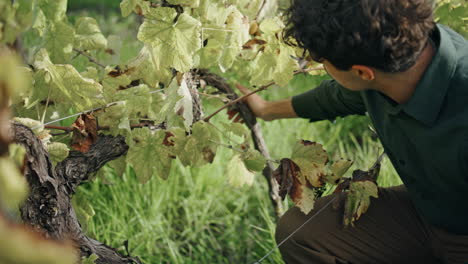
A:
(277, 109)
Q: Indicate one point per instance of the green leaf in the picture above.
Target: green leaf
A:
(59, 39)
(57, 151)
(65, 85)
(40, 23)
(274, 63)
(198, 148)
(177, 108)
(147, 154)
(17, 154)
(238, 34)
(144, 68)
(238, 175)
(253, 160)
(237, 128)
(90, 260)
(54, 10)
(188, 3)
(88, 35)
(173, 43)
(271, 25)
(13, 185)
(311, 159)
(127, 7)
(13, 78)
(358, 200)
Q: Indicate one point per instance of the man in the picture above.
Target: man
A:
(387, 58)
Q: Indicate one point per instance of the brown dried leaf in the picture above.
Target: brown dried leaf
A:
(84, 132)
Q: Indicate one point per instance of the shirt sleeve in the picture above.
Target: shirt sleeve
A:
(328, 101)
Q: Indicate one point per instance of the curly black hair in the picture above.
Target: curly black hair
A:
(385, 34)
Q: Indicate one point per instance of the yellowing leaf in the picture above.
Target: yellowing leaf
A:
(238, 175)
(59, 39)
(338, 169)
(174, 43)
(65, 85)
(88, 35)
(304, 198)
(311, 159)
(358, 200)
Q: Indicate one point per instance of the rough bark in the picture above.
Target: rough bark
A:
(48, 208)
(256, 131)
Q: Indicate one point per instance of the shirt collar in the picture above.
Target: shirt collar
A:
(426, 101)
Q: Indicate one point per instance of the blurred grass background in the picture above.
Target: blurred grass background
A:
(195, 216)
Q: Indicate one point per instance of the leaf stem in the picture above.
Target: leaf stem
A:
(91, 59)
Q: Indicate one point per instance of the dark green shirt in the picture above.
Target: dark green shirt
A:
(426, 138)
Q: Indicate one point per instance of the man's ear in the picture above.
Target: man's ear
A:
(364, 72)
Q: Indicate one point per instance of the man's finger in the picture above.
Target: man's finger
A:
(243, 89)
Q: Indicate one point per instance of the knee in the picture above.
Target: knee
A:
(326, 222)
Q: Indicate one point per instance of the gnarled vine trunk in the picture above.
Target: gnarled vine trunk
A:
(48, 208)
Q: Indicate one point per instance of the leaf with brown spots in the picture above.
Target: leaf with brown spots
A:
(84, 132)
(311, 159)
(292, 182)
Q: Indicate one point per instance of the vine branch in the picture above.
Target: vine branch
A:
(207, 119)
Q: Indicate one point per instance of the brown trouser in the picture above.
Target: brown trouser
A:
(391, 231)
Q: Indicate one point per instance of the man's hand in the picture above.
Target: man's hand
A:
(267, 110)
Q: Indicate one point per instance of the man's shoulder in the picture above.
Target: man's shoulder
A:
(460, 51)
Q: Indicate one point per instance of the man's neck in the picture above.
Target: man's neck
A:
(400, 86)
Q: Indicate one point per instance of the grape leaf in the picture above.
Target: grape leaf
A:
(13, 185)
(292, 182)
(274, 63)
(178, 104)
(91, 259)
(88, 35)
(238, 175)
(358, 200)
(188, 3)
(173, 43)
(65, 84)
(84, 132)
(59, 39)
(237, 128)
(147, 154)
(127, 7)
(198, 148)
(57, 151)
(338, 169)
(253, 160)
(54, 10)
(144, 68)
(238, 34)
(311, 159)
